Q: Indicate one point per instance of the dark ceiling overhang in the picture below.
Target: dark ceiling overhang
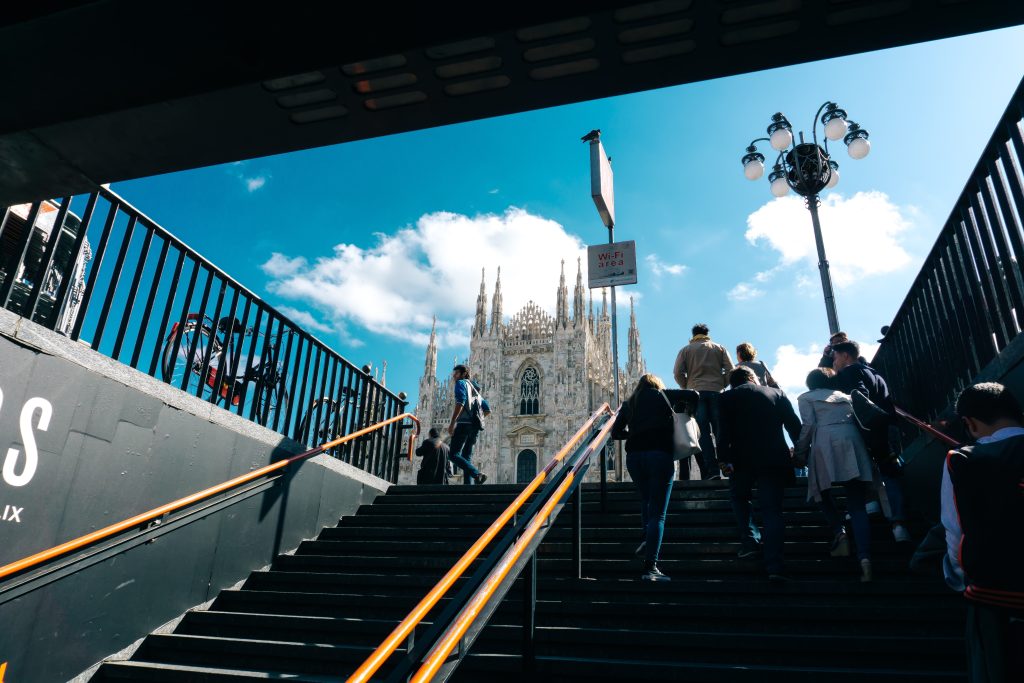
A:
(116, 89)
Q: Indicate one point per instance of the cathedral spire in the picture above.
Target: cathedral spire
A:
(562, 308)
(635, 360)
(590, 309)
(604, 303)
(578, 313)
(480, 323)
(430, 366)
(496, 315)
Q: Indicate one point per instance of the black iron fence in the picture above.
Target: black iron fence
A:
(96, 269)
(966, 304)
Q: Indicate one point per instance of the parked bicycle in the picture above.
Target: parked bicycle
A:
(200, 344)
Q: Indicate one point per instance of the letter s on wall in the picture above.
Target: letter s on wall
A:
(28, 438)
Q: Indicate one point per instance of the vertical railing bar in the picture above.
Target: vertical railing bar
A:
(94, 271)
(287, 371)
(47, 261)
(331, 392)
(133, 291)
(275, 359)
(972, 284)
(20, 248)
(200, 321)
(943, 325)
(147, 310)
(990, 220)
(998, 185)
(76, 253)
(254, 337)
(268, 331)
(346, 412)
(315, 398)
(237, 340)
(962, 304)
(115, 277)
(997, 301)
(214, 332)
(1013, 187)
(947, 299)
(165, 318)
(981, 273)
(302, 391)
(224, 370)
(296, 423)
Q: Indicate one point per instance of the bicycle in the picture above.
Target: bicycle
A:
(222, 344)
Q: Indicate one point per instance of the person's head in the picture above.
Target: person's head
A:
(838, 338)
(433, 433)
(988, 407)
(845, 354)
(740, 376)
(820, 378)
(649, 381)
(746, 351)
(700, 328)
(460, 372)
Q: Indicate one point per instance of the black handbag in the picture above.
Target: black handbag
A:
(867, 413)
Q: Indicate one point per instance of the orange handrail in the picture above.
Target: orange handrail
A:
(471, 611)
(106, 532)
(407, 625)
(927, 428)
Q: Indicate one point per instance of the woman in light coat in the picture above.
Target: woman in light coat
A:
(834, 451)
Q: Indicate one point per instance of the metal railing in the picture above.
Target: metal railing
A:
(157, 514)
(967, 303)
(95, 268)
(468, 612)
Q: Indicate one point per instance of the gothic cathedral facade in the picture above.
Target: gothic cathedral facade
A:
(543, 375)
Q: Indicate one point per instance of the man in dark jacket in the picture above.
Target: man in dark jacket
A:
(983, 514)
(434, 468)
(753, 452)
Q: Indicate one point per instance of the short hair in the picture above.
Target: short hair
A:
(820, 378)
(850, 347)
(840, 337)
(462, 368)
(433, 433)
(699, 328)
(740, 376)
(746, 351)
(988, 402)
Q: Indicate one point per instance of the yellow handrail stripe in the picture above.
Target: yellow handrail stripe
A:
(472, 610)
(402, 631)
(87, 539)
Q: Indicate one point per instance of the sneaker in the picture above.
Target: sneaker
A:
(900, 533)
(840, 545)
(747, 552)
(865, 571)
(641, 549)
(873, 507)
(481, 478)
(654, 574)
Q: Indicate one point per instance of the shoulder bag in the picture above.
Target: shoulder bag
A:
(685, 433)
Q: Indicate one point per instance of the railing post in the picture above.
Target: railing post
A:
(577, 532)
(604, 478)
(530, 615)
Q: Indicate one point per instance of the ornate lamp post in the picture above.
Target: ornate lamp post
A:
(807, 169)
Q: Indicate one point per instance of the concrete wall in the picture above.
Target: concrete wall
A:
(108, 443)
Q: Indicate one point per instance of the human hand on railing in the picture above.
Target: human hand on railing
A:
(727, 468)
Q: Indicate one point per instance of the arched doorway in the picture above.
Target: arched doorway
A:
(526, 466)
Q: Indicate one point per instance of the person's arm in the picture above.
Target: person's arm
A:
(679, 371)
(485, 406)
(789, 419)
(724, 440)
(768, 379)
(461, 397)
(803, 444)
(954, 533)
(620, 430)
(727, 367)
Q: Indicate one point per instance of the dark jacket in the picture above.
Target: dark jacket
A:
(751, 420)
(645, 422)
(988, 486)
(861, 375)
(434, 468)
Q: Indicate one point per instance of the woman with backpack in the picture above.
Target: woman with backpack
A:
(645, 423)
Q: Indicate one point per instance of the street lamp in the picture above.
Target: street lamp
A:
(807, 169)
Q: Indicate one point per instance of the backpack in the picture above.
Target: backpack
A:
(476, 405)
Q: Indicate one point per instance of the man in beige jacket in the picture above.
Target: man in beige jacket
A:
(704, 366)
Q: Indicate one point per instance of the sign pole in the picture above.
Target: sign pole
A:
(615, 362)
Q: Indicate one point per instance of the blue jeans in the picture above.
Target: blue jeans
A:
(856, 493)
(894, 492)
(707, 421)
(461, 450)
(652, 472)
(770, 490)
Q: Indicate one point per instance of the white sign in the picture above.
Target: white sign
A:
(611, 264)
(601, 185)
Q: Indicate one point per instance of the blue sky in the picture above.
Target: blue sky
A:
(367, 241)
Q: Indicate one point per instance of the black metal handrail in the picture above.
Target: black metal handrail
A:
(135, 292)
(967, 303)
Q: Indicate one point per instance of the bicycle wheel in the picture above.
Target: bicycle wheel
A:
(322, 422)
(175, 363)
(271, 401)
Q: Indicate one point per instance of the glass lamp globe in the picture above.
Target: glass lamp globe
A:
(781, 139)
(836, 129)
(780, 188)
(834, 180)
(858, 148)
(753, 169)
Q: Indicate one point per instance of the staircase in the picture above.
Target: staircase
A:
(315, 615)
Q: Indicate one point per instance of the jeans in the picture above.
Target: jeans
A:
(652, 472)
(894, 492)
(461, 450)
(856, 494)
(771, 487)
(707, 421)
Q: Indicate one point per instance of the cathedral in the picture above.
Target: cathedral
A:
(542, 375)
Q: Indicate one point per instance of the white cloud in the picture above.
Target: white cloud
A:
(494, 191)
(304, 319)
(433, 268)
(744, 292)
(253, 184)
(861, 234)
(659, 267)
